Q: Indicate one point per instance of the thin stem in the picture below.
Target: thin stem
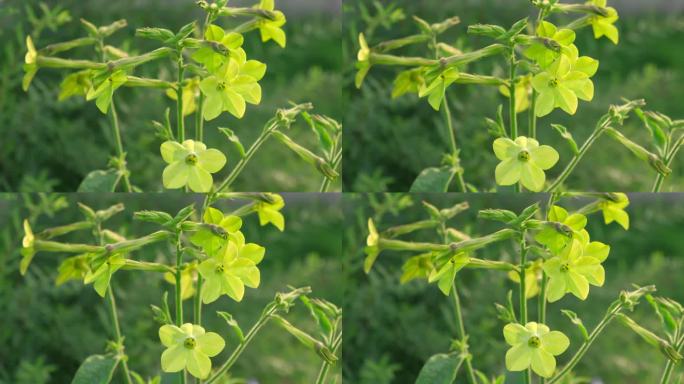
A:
(523, 293)
(199, 120)
(325, 367)
(179, 98)
(248, 156)
(452, 139)
(117, 330)
(532, 116)
(513, 115)
(179, 298)
(198, 301)
(460, 328)
(542, 299)
(669, 367)
(575, 160)
(119, 146)
(585, 347)
(658, 184)
(240, 348)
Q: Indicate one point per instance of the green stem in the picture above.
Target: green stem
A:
(326, 180)
(669, 366)
(199, 120)
(325, 367)
(460, 328)
(523, 293)
(117, 331)
(452, 139)
(585, 347)
(179, 298)
(658, 184)
(179, 98)
(532, 116)
(198, 301)
(265, 134)
(542, 299)
(575, 160)
(513, 115)
(240, 348)
(119, 146)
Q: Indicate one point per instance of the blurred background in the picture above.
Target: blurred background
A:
(47, 331)
(411, 322)
(389, 142)
(49, 145)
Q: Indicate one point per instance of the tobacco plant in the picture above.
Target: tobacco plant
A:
(556, 257)
(213, 76)
(546, 71)
(207, 258)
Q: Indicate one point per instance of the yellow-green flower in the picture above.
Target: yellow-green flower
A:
(533, 275)
(271, 29)
(30, 66)
(524, 161)
(102, 272)
(614, 210)
(269, 212)
(372, 250)
(190, 164)
(578, 266)
(27, 250)
(436, 89)
(533, 345)
(189, 346)
(190, 93)
(603, 25)
(187, 280)
(363, 65)
(556, 239)
(523, 90)
(445, 274)
(229, 272)
(417, 267)
(555, 42)
(230, 44)
(213, 240)
(104, 92)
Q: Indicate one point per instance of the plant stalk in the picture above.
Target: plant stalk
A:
(658, 184)
(533, 116)
(454, 147)
(460, 328)
(179, 298)
(523, 294)
(179, 99)
(119, 146)
(117, 330)
(325, 367)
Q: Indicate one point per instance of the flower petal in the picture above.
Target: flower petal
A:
(577, 284)
(504, 148)
(171, 335)
(211, 344)
(175, 175)
(199, 180)
(233, 287)
(508, 172)
(544, 156)
(174, 359)
(212, 160)
(519, 357)
(532, 177)
(515, 334)
(565, 99)
(555, 342)
(543, 363)
(173, 151)
(555, 289)
(199, 364)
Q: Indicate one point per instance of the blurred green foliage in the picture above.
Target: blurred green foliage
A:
(47, 143)
(47, 331)
(388, 142)
(411, 322)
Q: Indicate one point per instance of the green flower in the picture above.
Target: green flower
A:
(523, 90)
(363, 65)
(73, 268)
(190, 164)
(230, 44)
(269, 212)
(189, 346)
(105, 90)
(446, 274)
(436, 89)
(417, 267)
(577, 267)
(614, 210)
(533, 275)
(524, 161)
(603, 25)
(566, 80)
(410, 81)
(30, 65)
(270, 29)
(372, 250)
(214, 240)
(187, 280)
(101, 273)
(233, 84)
(77, 83)
(557, 238)
(554, 43)
(230, 271)
(533, 345)
(27, 250)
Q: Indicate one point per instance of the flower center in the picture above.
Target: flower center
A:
(553, 83)
(190, 343)
(565, 267)
(191, 159)
(221, 86)
(534, 342)
(220, 268)
(523, 155)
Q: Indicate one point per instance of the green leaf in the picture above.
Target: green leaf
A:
(233, 324)
(577, 321)
(96, 369)
(567, 136)
(234, 139)
(440, 369)
(433, 179)
(657, 133)
(324, 137)
(100, 181)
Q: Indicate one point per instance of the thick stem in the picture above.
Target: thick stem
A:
(512, 113)
(452, 139)
(585, 347)
(179, 297)
(575, 160)
(240, 348)
(523, 293)
(117, 330)
(119, 146)
(460, 328)
(669, 366)
(658, 184)
(248, 156)
(325, 366)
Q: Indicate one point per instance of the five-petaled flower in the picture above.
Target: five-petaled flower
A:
(552, 43)
(614, 209)
(223, 46)
(27, 250)
(372, 250)
(104, 91)
(603, 25)
(446, 273)
(575, 268)
(189, 346)
(231, 270)
(363, 65)
(565, 81)
(269, 211)
(533, 345)
(190, 164)
(568, 227)
(524, 161)
(30, 65)
(436, 88)
(214, 238)
(271, 28)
